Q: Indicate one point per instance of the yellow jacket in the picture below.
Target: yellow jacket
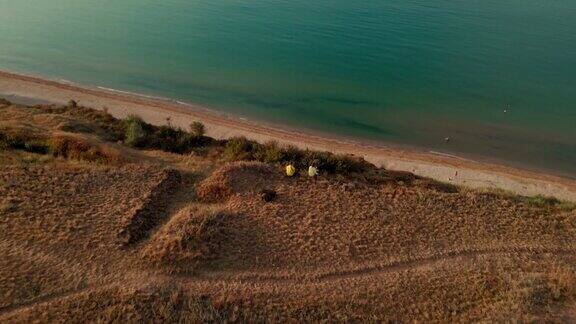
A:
(290, 170)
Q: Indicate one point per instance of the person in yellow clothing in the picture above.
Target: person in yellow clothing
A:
(290, 170)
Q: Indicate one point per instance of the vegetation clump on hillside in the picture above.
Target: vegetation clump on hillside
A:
(69, 147)
(57, 145)
(10, 140)
(140, 134)
(136, 133)
(186, 240)
(242, 149)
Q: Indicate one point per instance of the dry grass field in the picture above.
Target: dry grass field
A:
(95, 231)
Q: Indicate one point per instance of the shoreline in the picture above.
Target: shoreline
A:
(156, 110)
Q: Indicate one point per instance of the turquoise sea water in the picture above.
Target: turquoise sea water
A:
(410, 72)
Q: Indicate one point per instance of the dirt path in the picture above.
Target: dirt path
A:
(215, 279)
(48, 298)
(374, 268)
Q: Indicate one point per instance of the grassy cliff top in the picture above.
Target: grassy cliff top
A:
(118, 220)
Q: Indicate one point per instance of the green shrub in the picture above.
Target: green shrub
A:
(348, 164)
(540, 201)
(241, 149)
(335, 163)
(322, 160)
(170, 139)
(139, 134)
(135, 133)
(238, 149)
(23, 143)
(197, 129)
(268, 153)
(295, 156)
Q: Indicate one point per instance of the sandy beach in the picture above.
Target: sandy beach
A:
(443, 167)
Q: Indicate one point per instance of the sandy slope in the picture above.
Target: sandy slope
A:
(444, 168)
(325, 249)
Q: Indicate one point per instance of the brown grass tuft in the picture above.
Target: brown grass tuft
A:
(190, 237)
(78, 148)
(438, 186)
(213, 191)
(17, 137)
(236, 177)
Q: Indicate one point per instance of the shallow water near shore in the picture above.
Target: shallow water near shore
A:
(495, 77)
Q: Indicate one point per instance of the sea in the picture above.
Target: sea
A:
(490, 80)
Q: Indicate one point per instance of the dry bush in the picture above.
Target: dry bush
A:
(401, 176)
(215, 188)
(50, 109)
(73, 126)
(213, 191)
(77, 148)
(438, 186)
(58, 145)
(102, 123)
(23, 138)
(236, 177)
(78, 120)
(190, 237)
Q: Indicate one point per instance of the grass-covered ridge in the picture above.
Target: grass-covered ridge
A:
(134, 132)
(115, 220)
